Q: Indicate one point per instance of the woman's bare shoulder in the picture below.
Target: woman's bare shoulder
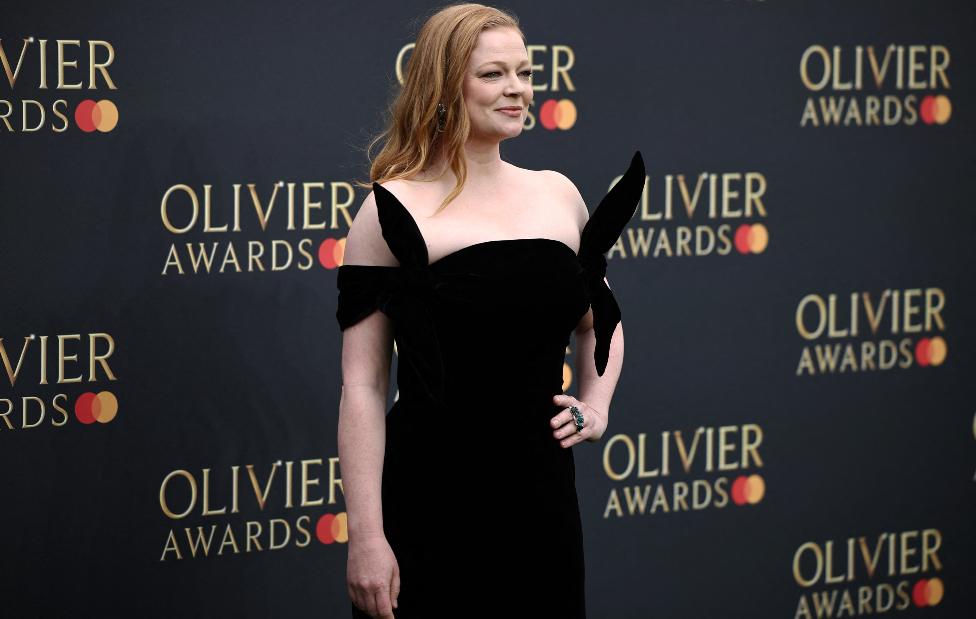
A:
(411, 193)
(560, 185)
(365, 244)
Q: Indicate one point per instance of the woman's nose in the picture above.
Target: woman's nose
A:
(514, 86)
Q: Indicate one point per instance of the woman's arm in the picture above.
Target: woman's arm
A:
(366, 351)
(595, 390)
(372, 573)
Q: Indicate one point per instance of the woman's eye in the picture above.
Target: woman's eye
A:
(527, 73)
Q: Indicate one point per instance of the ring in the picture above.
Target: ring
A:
(578, 417)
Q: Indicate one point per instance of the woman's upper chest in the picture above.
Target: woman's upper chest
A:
(524, 207)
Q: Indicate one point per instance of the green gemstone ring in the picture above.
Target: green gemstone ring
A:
(578, 416)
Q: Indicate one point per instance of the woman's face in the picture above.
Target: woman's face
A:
(499, 76)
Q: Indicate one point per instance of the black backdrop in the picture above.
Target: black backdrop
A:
(210, 382)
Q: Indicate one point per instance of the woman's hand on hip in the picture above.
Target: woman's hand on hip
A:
(564, 424)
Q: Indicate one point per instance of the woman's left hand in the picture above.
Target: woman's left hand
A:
(564, 424)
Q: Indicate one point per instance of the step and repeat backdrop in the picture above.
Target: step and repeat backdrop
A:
(794, 431)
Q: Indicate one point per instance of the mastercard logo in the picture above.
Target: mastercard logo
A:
(928, 592)
(557, 114)
(935, 109)
(331, 252)
(101, 407)
(96, 116)
(332, 528)
(751, 238)
(930, 351)
(748, 489)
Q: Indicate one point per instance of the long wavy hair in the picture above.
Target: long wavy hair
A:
(435, 74)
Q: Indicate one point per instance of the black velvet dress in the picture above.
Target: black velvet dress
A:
(479, 499)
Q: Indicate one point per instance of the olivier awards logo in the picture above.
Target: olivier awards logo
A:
(248, 509)
(868, 575)
(227, 231)
(41, 374)
(39, 65)
(863, 86)
(861, 331)
(707, 468)
(709, 213)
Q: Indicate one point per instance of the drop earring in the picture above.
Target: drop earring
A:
(441, 115)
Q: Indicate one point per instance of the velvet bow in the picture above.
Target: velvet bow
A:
(599, 235)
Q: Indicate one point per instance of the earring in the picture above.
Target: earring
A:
(441, 114)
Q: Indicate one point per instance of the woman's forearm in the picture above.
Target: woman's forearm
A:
(596, 390)
(362, 442)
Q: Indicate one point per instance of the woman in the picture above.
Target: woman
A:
(462, 500)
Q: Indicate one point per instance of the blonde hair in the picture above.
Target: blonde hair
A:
(435, 74)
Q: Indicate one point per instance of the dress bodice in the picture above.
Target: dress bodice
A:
(494, 312)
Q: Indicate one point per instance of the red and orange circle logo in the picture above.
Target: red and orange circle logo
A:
(928, 592)
(101, 115)
(331, 252)
(559, 114)
(935, 109)
(332, 528)
(748, 489)
(931, 351)
(751, 238)
(101, 407)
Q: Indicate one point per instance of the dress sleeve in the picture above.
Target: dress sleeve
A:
(402, 292)
(600, 234)
(363, 289)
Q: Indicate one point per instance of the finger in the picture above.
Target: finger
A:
(564, 424)
(357, 598)
(566, 430)
(563, 399)
(576, 438)
(395, 588)
(369, 603)
(362, 605)
(566, 416)
(383, 607)
(560, 420)
(563, 416)
(569, 435)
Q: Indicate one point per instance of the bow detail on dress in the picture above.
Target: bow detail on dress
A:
(414, 293)
(600, 234)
